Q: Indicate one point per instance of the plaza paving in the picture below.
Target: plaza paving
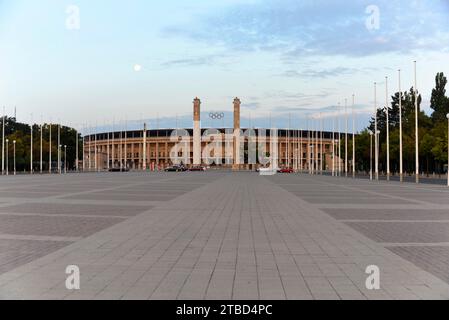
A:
(221, 235)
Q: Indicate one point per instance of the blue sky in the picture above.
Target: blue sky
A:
(278, 56)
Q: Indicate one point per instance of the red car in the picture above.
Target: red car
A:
(285, 170)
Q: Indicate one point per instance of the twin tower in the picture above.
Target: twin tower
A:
(197, 131)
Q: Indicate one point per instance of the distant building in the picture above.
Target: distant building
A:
(153, 149)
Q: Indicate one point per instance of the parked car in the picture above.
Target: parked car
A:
(176, 169)
(198, 168)
(286, 170)
(119, 170)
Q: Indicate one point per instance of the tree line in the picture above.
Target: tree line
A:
(433, 133)
(21, 133)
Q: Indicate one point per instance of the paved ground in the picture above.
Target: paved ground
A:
(423, 179)
(221, 235)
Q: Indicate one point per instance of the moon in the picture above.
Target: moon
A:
(137, 67)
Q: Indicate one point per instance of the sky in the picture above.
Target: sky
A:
(96, 62)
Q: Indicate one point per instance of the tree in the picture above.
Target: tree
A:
(439, 102)
(21, 133)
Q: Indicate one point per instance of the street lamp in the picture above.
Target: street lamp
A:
(14, 152)
(7, 157)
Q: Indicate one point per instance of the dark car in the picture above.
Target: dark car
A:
(197, 168)
(285, 170)
(176, 169)
(119, 170)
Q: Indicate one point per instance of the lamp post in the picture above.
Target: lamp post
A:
(14, 153)
(7, 157)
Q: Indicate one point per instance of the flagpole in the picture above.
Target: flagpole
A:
(77, 150)
(322, 147)
(346, 138)
(308, 146)
(95, 147)
(31, 146)
(353, 137)
(41, 150)
(339, 141)
(401, 170)
(416, 129)
(84, 147)
(388, 128)
(333, 146)
(3, 143)
(376, 140)
(49, 149)
(126, 149)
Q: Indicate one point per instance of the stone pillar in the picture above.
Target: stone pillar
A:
(196, 132)
(237, 137)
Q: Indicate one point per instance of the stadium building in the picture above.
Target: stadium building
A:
(150, 149)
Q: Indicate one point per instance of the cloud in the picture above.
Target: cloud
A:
(299, 95)
(320, 27)
(321, 74)
(195, 61)
(251, 105)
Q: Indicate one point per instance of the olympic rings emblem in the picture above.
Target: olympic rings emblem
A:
(216, 115)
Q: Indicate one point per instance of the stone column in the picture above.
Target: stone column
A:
(196, 132)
